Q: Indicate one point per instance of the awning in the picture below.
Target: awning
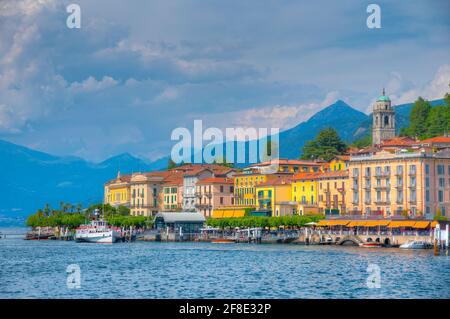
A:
(357, 223)
(338, 222)
(323, 222)
(399, 223)
(433, 224)
(422, 224)
(376, 223)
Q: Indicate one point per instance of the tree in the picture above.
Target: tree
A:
(438, 121)
(418, 118)
(326, 146)
(363, 141)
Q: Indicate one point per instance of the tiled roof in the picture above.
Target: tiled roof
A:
(398, 141)
(282, 161)
(306, 175)
(437, 139)
(276, 180)
(215, 180)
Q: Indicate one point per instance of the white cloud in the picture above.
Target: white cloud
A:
(435, 89)
(278, 116)
(92, 85)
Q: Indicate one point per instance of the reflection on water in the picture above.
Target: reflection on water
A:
(201, 270)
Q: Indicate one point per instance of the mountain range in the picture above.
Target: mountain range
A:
(31, 178)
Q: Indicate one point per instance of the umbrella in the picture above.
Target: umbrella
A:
(311, 224)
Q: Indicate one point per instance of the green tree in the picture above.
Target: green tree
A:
(418, 118)
(363, 141)
(326, 146)
(438, 121)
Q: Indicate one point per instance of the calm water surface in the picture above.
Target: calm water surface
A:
(32, 269)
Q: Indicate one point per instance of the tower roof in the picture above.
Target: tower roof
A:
(383, 97)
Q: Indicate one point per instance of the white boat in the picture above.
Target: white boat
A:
(97, 231)
(416, 244)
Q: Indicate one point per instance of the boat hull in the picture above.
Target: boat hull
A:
(99, 238)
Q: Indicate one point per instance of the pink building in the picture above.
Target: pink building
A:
(213, 192)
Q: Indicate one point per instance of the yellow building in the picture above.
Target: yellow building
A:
(339, 163)
(392, 183)
(304, 192)
(332, 189)
(273, 193)
(246, 182)
(117, 191)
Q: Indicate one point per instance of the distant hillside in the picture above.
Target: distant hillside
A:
(30, 179)
(339, 115)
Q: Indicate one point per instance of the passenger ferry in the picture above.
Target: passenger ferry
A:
(416, 244)
(98, 231)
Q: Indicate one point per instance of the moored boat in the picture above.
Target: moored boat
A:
(416, 244)
(98, 231)
(223, 241)
(370, 245)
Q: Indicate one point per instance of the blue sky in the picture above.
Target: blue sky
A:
(138, 69)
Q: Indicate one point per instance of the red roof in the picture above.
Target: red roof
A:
(306, 175)
(215, 180)
(276, 180)
(398, 142)
(437, 139)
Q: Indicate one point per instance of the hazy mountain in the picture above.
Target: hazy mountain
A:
(30, 179)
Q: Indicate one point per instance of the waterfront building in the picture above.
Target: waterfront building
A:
(195, 173)
(117, 191)
(383, 126)
(331, 191)
(145, 189)
(172, 193)
(415, 182)
(212, 193)
(304, 188)
(180, 225)
(245, 182)
(273, 195)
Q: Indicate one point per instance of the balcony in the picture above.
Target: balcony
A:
(398, 186)
(381, 187)
(398, 173)
(382, 175)
(382, 202)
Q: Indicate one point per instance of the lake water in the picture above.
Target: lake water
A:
(37, 269)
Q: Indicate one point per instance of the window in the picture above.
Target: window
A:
(441, 182)
(427, 195)
(413, 195)
(427, 169)
(221, 188)
(378, 196)
(412, 181)
(221, 200)
(399, 170)
(399, 196)
(440, 196)
(440, 170)
(412, 169)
